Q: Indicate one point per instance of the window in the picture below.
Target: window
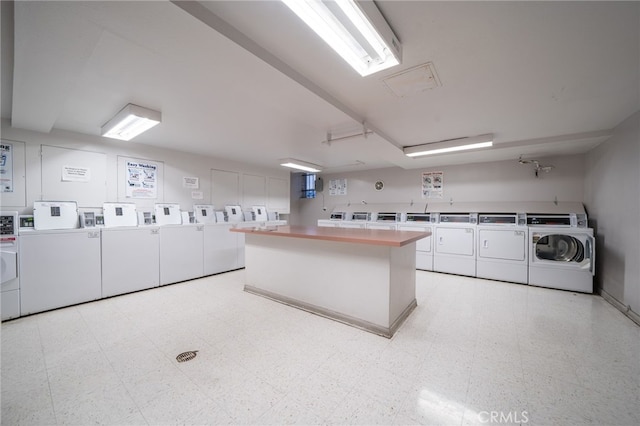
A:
(308, 185)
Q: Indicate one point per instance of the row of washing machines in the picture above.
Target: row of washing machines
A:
(554, 250)
(59, 256)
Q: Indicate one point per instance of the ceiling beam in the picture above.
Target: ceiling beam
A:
(209, 18)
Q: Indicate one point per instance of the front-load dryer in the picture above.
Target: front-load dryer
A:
(455, 244)
(562, 255)
(421, 222)
(502, 247)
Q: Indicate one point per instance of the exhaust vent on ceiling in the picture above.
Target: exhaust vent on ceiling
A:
(413, 81)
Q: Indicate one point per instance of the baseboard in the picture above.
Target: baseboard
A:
(625, 309)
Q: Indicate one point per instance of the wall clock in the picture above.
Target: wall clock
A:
(379, 185)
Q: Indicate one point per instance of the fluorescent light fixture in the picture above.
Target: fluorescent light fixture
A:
(300, 165)
(130, 122)
(356, 30)
(482, 141)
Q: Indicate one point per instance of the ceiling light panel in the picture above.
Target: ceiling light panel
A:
(292, 163)
(357, 31)
(129, 122)
(463, 144)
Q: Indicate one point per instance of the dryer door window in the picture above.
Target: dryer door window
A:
(560, 248)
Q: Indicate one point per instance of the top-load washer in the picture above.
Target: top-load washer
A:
(181, 245)
(455, 244)
(130, 253)
(60, 264)
(561, 252)
(424, 248)
(502, 247)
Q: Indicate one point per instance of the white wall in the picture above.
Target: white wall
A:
(497, 181)
(175, 165)
(612, 196)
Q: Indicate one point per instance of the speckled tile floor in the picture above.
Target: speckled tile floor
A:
(473, 352)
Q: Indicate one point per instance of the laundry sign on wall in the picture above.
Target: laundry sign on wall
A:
(338, 187)
(6, 167)
(432, 184)
(76, 174)
(142, 179)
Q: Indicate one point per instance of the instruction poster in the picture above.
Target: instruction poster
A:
(142, 179)
(432, 184)
(6, 167)
(338, 187)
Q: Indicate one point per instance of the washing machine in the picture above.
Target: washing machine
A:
(502, 247)
(455, 244)
(10, 279)
(181, 245)
(130, 254)
(562, 252)
(424, 248)
(59, 263)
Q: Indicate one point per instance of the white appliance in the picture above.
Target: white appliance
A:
(168, 214)
(119, 214)
(58, 267)
(221, 248)
(335, 220)
(10, 278)
(55, 215)
(357, 220)
(204, 213)
(260, 213)
(502, 247)
(234, 214)
(130, 254)
(384, 220)
(424, 248)
(455, 244)
(181, 252)
(561, 252)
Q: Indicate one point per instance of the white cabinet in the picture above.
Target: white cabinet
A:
(181, 253)
(59, 268)
(130, 259)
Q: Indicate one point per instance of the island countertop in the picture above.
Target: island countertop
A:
(380, 237)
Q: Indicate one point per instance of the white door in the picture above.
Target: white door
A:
(506, 244)
(457, 241)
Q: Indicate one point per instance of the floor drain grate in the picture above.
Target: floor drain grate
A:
(186, 356)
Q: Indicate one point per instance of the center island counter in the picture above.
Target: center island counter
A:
(362, 277)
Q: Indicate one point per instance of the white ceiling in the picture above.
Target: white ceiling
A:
(248, 81)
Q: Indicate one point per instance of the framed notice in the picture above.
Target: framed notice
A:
(432, 184)
(142, 179)
(6, 167)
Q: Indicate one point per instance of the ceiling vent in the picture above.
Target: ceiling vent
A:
(413, 81)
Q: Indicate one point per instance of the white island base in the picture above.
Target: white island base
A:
(367, 286)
